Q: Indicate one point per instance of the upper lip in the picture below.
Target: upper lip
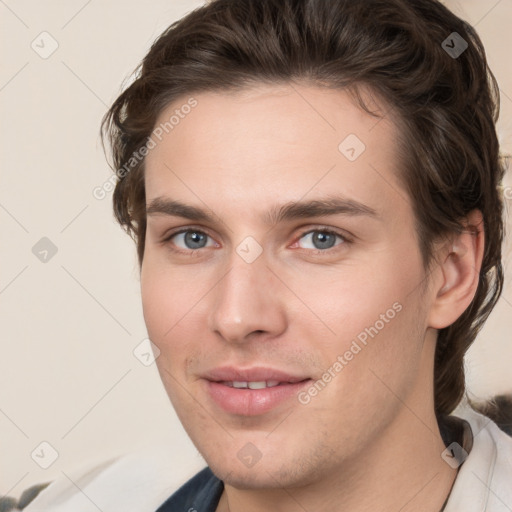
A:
(254, 374)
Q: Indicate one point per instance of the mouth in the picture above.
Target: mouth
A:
(254, 384)
(252, 392)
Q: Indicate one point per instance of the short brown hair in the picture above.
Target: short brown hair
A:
(446, 103)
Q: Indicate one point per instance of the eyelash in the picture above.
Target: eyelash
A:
(345, 240)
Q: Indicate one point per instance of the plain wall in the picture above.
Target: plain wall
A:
(68, 374)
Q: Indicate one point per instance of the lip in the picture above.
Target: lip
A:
(254, 374)
(252, 402)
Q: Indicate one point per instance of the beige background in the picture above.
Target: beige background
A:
(68, 375)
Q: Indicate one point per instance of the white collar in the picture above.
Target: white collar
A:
(484, 481)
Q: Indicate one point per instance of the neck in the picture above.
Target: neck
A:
(407, 475)
(401, 470)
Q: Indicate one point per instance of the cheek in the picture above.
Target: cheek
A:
(155, 306)
(174, 309)
(165, 295)
(163, 307)
(377, 307)
(353, 297)
(163, 301)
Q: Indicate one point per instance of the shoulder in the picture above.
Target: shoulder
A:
(484, 481)
(141, 480)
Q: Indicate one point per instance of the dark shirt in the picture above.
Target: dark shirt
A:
(200, 494)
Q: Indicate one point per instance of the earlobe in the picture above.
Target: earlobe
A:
(460, 266)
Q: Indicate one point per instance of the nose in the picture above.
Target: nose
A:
(247, 302)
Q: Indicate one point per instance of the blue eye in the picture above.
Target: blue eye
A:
(322, 239)
(191, 238)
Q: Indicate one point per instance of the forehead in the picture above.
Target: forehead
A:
(274, 142)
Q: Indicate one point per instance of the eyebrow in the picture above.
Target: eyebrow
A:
(278, 213)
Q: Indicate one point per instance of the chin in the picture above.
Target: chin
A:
(263, 475)
(251, 479)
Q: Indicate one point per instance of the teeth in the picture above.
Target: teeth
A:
(252, 385)
(257, 385)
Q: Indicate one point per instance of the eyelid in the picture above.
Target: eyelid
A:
(348, 237)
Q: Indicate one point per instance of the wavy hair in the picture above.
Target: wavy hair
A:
(411, 53)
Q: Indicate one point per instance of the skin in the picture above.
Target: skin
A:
(369, 440)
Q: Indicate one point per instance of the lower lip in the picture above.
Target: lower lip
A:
(251, 402)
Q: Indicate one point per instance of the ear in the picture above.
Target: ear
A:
(459, 271)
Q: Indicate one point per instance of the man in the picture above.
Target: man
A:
(314, 192)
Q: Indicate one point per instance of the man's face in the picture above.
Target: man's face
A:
(331, 308)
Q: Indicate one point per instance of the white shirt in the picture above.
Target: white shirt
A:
(141, 481)
(484, 482)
